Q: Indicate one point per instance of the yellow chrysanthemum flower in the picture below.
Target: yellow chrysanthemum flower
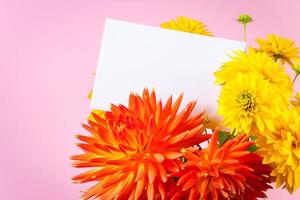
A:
(248, 104)
(186, 24)
(281, 149)
(260, 63)
(279, 48)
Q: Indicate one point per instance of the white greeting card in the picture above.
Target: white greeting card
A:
(134, 56)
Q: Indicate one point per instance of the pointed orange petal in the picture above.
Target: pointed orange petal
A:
(190, 183)
(193, 194)
(151, 172)
(203, 187)
(162, 173)
(141, 172)
(213, 144)
(183, 179)
(167, 107)
(172, 154)
(176, 106)
(177, 138)
(238, 154)
(153, 99)
(150, 191)
(139, 189)
(162, 190)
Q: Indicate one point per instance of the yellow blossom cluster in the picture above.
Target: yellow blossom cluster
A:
(256, 98)
(254, 90)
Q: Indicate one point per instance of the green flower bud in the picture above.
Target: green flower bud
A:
(244, 19)
(296, 68)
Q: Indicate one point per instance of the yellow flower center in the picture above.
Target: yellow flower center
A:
(277, 56)
(247, 101)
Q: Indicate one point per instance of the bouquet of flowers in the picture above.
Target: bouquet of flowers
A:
(154, 150)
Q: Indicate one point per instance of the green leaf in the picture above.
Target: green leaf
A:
(223, 136)
(252, 148)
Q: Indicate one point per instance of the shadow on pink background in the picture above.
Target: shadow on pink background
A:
(49, 51)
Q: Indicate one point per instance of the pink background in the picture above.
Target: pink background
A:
(49, 52)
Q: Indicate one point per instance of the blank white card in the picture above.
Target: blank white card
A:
(135, 56)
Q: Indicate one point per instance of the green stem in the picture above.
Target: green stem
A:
(245, 33)
(295, 78)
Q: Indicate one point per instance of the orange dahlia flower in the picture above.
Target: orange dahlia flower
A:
(226, 172)
(132, 150)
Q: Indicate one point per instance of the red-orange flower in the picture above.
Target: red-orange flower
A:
(133, 150)
(226, 172)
